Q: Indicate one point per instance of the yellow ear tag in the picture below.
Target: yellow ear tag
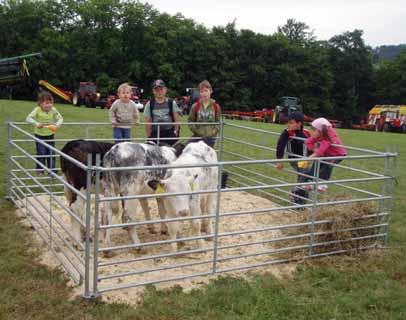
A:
(160, 189)
(192, 186)
(303, 164)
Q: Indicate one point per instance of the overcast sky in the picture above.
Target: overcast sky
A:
(383, 21)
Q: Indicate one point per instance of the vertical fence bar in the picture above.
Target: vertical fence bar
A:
(314, 207)
(87, 229)
(217, 222)
(382, 202)
(391, 192)
(158, 135)
(96, 228)
(221, 144)
(9, 151)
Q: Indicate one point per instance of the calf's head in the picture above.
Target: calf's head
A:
(175, 205)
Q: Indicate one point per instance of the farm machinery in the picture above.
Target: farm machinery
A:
(13, 71)
(286, 106)
(88, 94)
(385, 118)
(192, 95)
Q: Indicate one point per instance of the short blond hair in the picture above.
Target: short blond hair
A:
(205, 84)
(123, 86)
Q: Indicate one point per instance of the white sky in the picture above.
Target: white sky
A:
(383, 21)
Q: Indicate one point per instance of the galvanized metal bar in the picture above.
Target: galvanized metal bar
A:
(146, 222)
(145, 283)
(270, 178)
(143, 271)
(393, 170)
(226, 163)
(9, 154)
(78, 193)
(314, 208)
(319, 244)
(56, 218)
(152, 243)
(280, 261)
(87, 294)
(42, 186)
(221, 142)
(73, 276)
(96, 229)
(258, 146)
(46, 223)
(152, 257)
(60, 153)
(217, 220)
(278, 133)
(298, 236)
(269, 193)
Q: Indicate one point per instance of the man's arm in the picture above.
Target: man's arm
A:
(176, 117)
(148, 120)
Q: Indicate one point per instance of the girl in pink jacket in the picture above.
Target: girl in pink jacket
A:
(323, 136)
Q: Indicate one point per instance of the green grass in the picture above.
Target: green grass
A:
(368, 286)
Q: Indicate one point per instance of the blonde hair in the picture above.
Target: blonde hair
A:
(123, 86)
(205, 84)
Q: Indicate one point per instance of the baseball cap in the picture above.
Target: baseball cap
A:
(158, 83)
(297, 116)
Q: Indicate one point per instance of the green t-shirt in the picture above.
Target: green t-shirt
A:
(161, 112)
(38, 116)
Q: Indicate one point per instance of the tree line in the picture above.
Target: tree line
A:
(112, 41)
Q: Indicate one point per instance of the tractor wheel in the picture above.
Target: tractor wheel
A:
(386, 127)
(403, 128)
(76, 101)
(88, 103)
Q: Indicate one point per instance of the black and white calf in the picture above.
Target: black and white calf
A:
(75, 176)
(183, 180)
(124, 183)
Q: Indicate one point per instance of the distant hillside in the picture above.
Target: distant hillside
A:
(387, 52)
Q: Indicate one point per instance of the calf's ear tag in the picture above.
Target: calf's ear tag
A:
(192, 185)
(160, 189)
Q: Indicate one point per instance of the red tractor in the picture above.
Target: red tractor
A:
(87, 94)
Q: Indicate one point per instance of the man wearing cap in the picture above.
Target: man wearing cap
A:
(162, 109)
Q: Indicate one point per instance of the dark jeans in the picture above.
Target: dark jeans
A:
(48, 158)
(210, 141)
(325, 169)
(164, 133)
(299, 194)
(121, 134)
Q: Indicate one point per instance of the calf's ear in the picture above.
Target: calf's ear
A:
(157, 186)
(179, 146)
(192, 180)
(153, 184)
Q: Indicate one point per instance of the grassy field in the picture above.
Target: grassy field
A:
(368, 286)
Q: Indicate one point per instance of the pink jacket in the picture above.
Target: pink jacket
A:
(325, 148)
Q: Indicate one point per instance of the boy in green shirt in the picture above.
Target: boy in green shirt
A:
(204, 110)
(46, 120)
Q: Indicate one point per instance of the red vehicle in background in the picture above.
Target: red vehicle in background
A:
(135, 96)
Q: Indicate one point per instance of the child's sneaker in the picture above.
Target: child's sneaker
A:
(322, 188)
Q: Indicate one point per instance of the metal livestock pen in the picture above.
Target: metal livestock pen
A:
(258, 221)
